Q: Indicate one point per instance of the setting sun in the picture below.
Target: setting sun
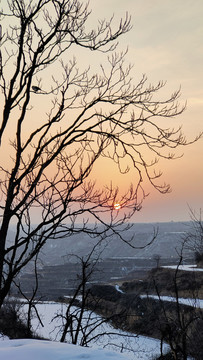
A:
(117, 206)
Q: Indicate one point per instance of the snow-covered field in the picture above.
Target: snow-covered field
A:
(105, 348)
(135, 347)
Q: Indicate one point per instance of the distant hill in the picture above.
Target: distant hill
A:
(58, 269)
(167, 244)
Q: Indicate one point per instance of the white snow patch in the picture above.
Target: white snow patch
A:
(49, 350)
(198, 303)
(117, 287)
(133, 347)
(184, 267)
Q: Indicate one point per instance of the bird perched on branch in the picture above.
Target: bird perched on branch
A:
(36, 88)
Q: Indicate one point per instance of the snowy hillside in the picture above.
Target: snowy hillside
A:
(48, 350)
(133, 347)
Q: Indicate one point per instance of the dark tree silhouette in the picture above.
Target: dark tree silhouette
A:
(57, 121)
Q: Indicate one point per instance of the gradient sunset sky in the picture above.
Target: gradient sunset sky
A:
(166, 43)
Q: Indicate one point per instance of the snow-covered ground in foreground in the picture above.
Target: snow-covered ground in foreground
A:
(28, 349)
(133, 347)
(191, 302)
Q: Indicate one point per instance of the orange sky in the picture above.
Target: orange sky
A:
(166, 44)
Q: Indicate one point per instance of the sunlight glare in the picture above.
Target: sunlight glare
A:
(117, 206)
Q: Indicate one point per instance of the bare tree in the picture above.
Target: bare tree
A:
(31, 300)
(57, 121)
(79, 321)
(73, 319)
(193, 238)
(78, 324)
(177, 323)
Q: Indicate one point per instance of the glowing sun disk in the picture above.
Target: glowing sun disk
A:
(117, 206)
